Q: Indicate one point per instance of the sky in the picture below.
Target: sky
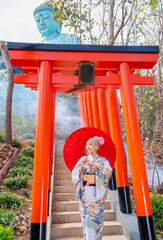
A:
(16, 21)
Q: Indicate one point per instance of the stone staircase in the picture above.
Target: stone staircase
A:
(66, 222)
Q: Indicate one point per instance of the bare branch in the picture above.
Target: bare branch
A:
(103, 22)
(129, 32)
(123, 19)
(117, 10)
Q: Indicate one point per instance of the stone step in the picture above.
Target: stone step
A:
(107, 237)
(60, 163)
(60, 167)
(58, 155)
(67, 217)
(58, 151)
(75, 229)
(59, 148)
(63, 206)
(62, 176)
(66, 182)
(58, 159)
(62, 171)
(64, 196)
(64, 189)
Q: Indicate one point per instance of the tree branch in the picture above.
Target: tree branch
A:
(103, 22)
(123, 19)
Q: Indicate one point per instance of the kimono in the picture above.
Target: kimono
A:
(92, 198)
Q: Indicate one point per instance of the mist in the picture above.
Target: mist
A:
(67, 118)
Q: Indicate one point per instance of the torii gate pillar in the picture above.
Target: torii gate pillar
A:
(42, 153)
(120, 163)
(136, 157)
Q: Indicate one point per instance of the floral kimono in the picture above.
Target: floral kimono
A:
(92, 196)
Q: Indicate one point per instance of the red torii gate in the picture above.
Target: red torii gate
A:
(51, 68)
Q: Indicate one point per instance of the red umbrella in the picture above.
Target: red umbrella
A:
(74, 147)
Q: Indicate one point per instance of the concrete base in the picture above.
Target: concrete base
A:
(128, 221)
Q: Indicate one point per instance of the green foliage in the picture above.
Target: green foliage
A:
(153, 4)
(32, 143)
(18, 124)
(148, 102)
(7, 218)
(67, 95)
(6, 233)
(2, 131)
(9, 200)
(16, 143)
(20, 171)
(77, 17)
(2, 138)
(28, 136)
(28, 152)
(24, 162)
(157, 209)
(21, 123)
(17, 182)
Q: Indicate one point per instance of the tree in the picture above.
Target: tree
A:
(95, 22)
(8, 113)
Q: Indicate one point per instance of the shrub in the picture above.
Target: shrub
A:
(9, 200)
(32, 143)
(7, 218)
(16, 143)
(28, 136)
(24, 162)
(2, 138)
(28, 152)
(20, 171)
(157, 209)
(17, 182)
(6, 233)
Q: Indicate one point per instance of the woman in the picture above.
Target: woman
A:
(91, 175)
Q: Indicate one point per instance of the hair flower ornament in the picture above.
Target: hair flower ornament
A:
(101, 140)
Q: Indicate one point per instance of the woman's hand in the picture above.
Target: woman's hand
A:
(84, 161)
(88, 162)
(94, 165)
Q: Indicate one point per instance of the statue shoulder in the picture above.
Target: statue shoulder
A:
(66, 38)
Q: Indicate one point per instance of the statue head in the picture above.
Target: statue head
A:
(44, 20)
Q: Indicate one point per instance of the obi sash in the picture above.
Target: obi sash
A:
(89, 179)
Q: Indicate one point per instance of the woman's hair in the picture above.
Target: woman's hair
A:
(94, 140)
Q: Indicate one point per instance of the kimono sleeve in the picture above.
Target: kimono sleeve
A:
(103, 175)
(75, 172)
(106, 172)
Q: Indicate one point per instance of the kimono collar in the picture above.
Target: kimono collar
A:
(97, 155)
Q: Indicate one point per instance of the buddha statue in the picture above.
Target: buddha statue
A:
(50, 30)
